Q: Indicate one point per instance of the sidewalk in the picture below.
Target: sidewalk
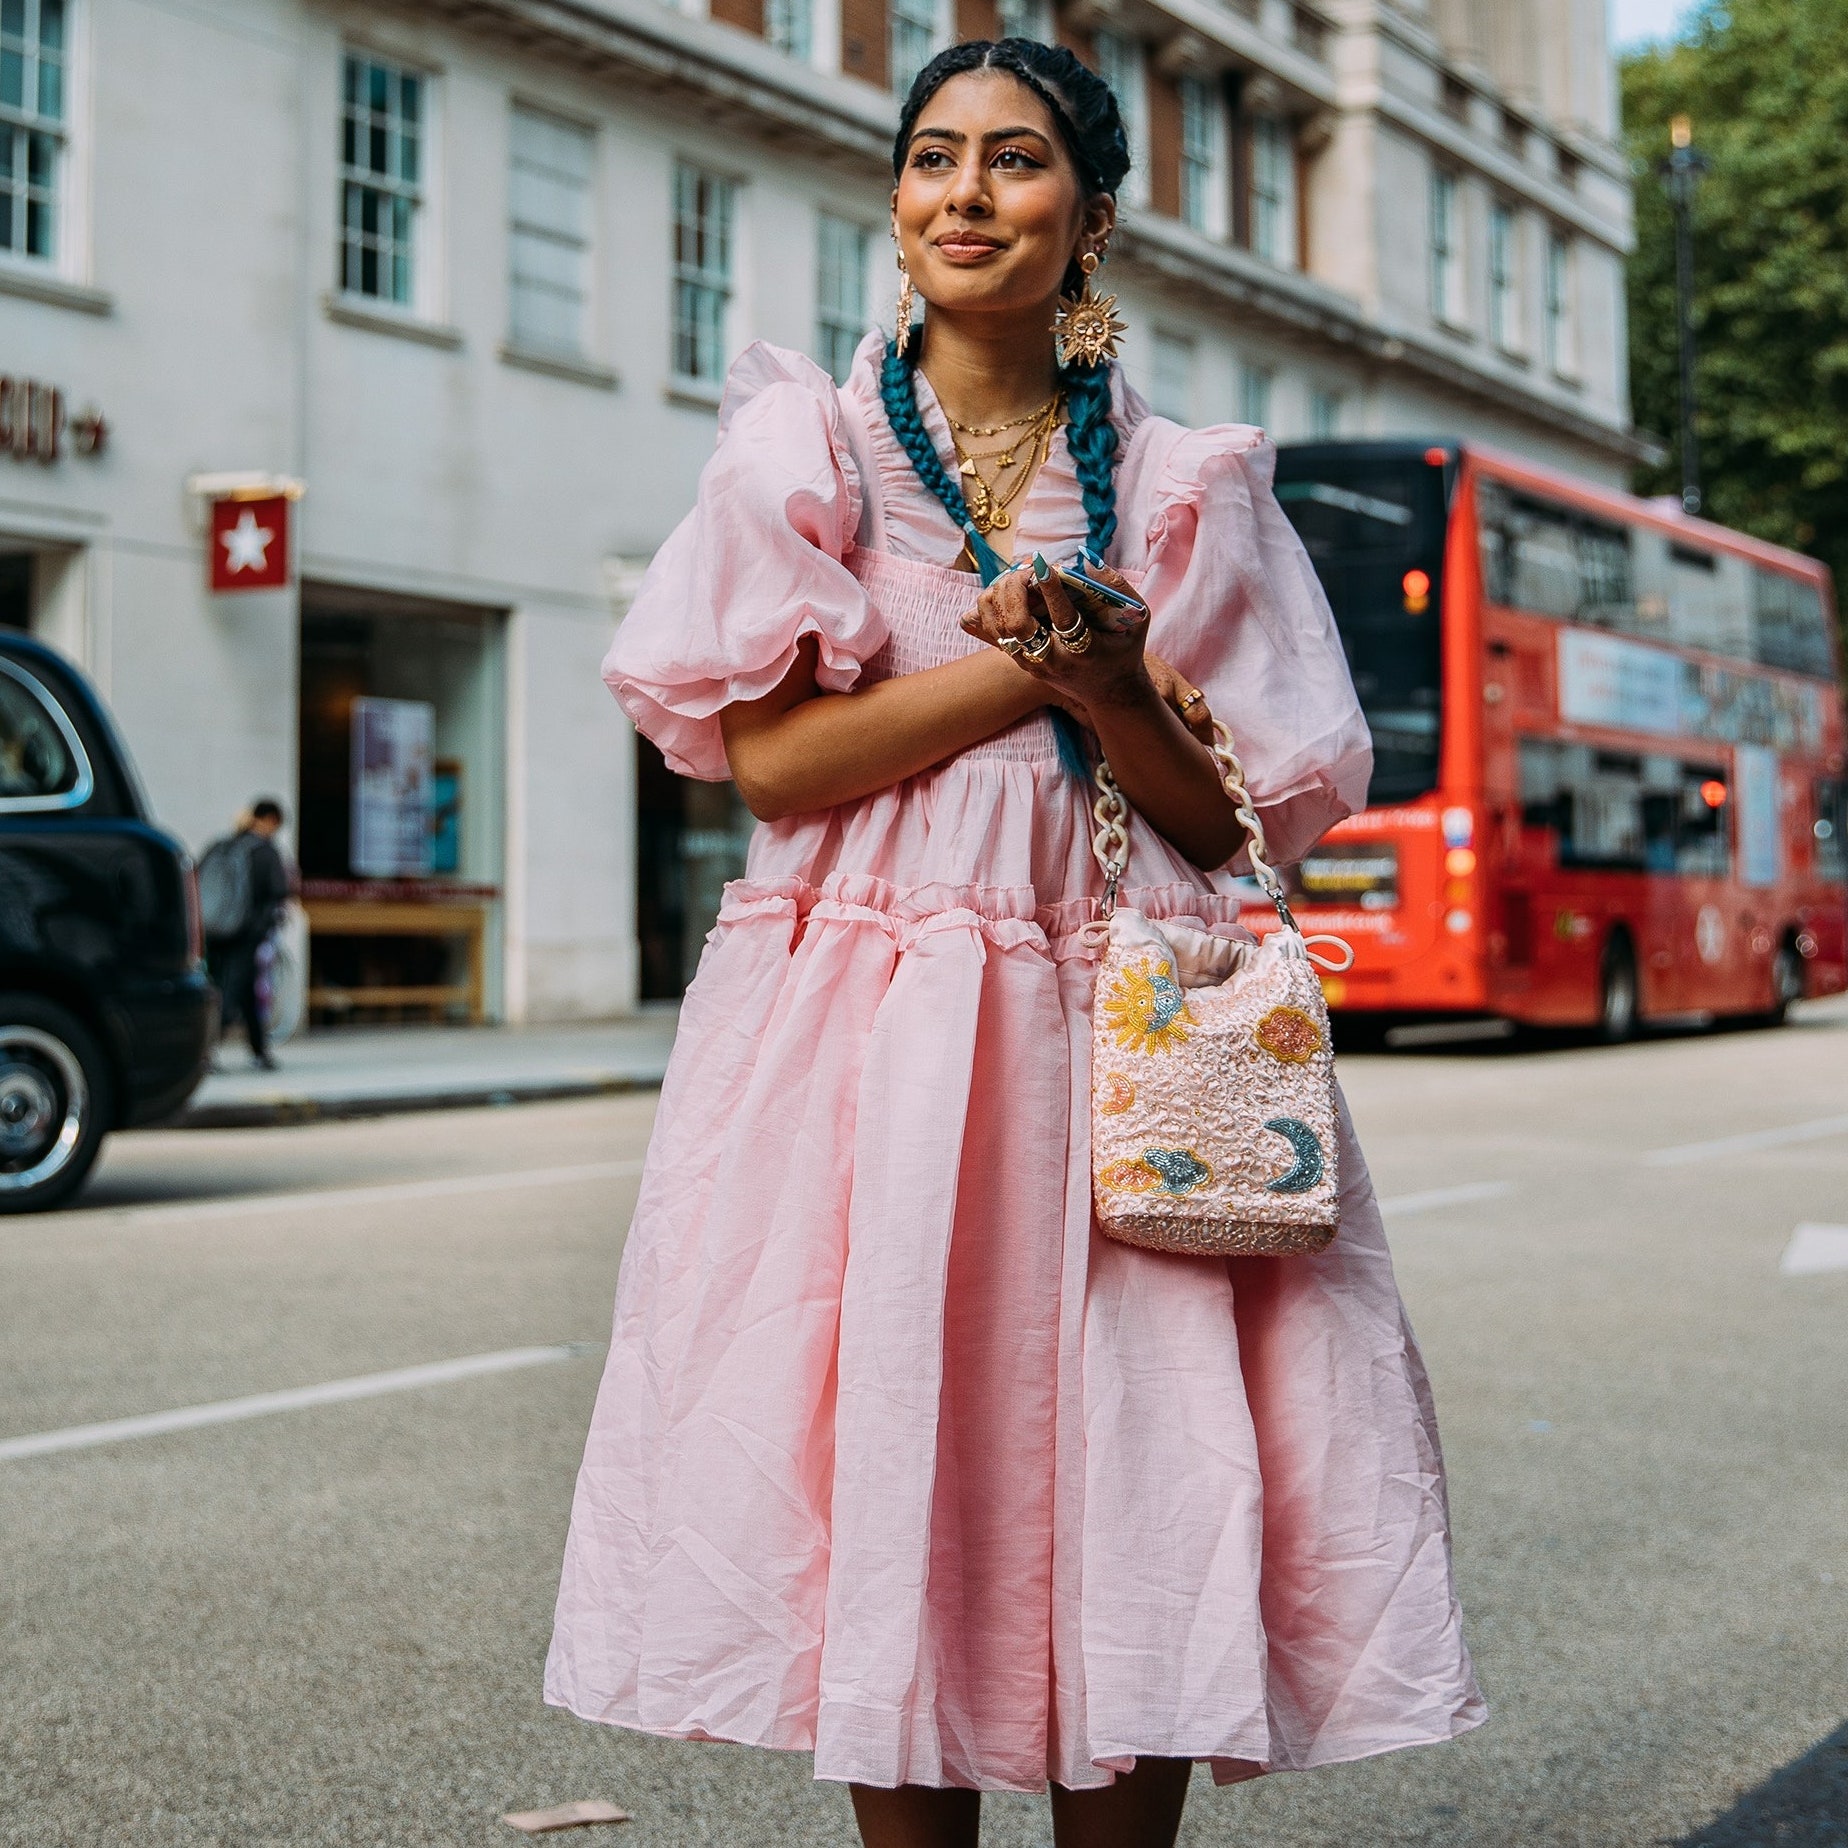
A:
(372, 1071)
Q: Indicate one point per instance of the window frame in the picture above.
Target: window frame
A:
(1036, 21)
(419, 302)
(684, 276)
(1201, 155)
(28, 126)
(1559, 305)
(909, 16)
(789, 27)
(585, 245)
(1504, 270)
(1256, 383)
(1166, 343)
(1445, 246)
(1325, 406)
(84, 785)
(830, 326)
(1123, 65)
(1274, 205)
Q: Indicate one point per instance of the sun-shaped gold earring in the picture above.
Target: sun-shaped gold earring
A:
(1086, 327)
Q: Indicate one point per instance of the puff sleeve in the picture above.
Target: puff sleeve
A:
(1237, 606)
(756, 566)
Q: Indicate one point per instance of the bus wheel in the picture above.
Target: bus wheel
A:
(1617, 992)
(1786, 980)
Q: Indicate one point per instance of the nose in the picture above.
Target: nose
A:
(968, 194)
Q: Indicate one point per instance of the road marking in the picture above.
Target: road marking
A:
(1813, 1131)
(296, 1398)
(1814, 1249)
(386, 1193)
(1447, 1196)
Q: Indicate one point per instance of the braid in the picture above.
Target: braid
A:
(1091, 436)
(899, 392)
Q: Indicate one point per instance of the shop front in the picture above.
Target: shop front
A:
(403, 804)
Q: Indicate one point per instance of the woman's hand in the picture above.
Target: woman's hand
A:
(1018, 616)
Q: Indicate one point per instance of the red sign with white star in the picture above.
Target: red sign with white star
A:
(249, 544)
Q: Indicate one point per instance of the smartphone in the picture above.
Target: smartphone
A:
(1104, 607)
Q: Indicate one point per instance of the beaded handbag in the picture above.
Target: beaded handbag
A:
(1212, 1078)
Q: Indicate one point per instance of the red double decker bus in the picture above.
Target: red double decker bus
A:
(1608, 748)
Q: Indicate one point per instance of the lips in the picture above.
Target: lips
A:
(967, 244)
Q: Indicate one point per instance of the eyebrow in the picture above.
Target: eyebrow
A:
(994, 134)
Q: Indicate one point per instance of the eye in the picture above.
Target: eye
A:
(1016, 158)
(929, 159)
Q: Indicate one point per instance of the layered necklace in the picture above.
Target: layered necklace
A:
(990, 492)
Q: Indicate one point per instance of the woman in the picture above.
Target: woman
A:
(896, 1460)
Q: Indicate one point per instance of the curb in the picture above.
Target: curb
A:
(265, 1113)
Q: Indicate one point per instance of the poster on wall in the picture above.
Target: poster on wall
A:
(393, 799)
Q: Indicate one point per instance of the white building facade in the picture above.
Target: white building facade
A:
(470, 273)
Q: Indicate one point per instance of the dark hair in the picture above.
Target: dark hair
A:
(1085, 113)
(266, 808)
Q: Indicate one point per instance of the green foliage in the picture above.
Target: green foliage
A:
(1766, 85)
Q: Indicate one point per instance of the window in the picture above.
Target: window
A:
(549, 238)
(1324, 414)
(1028, 19)
(32, 67)
(840, 291)
(1254, 394)
(1446, 249)
(1172, 382)
(1830, 829)
(1789, 626)
(1554, 561)
(1622, 811)
(789, 25)
(1273, 190)
(912, 42)
(42, 764)
(1119, 63)
(1504, 299)
(703, 206)
(1559, 333)
(1199, 154)
(381, 172)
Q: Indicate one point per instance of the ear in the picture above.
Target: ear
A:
(1099, 219)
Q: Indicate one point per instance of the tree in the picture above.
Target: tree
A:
(1766, 85)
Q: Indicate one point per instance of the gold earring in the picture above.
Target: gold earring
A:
(1086, 327)
(907, 296)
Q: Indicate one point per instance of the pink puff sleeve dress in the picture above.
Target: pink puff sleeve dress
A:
(896, 1459)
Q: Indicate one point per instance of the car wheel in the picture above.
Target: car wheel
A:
(55, 1097)
(1786, 981)
(1617, 993)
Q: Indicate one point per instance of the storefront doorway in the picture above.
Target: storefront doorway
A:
(690, 838)
(403, 779)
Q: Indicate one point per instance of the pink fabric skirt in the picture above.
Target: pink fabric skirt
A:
(897, 1460)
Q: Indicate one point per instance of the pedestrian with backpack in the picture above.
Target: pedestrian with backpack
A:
(243, 886)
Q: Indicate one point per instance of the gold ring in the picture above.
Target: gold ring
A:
(1193, 699)
(1011, 644)
(1076, 642)
(1069, 636)
(1039, 648)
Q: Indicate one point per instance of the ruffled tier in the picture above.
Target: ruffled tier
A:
(897, 1461)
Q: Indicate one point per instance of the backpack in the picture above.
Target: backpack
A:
(225, 887)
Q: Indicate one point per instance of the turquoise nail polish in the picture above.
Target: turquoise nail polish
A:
(1041, 570)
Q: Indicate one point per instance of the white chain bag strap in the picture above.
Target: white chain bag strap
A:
(1212, 1077)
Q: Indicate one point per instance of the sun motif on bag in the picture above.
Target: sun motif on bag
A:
(1145, 1008)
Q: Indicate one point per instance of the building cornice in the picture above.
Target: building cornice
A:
(1172, 254)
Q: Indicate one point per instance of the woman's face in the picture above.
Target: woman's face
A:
(989, 208)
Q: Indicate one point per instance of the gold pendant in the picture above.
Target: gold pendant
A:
(1086, 328)
(967, 468)
(1005, 459)
(1000, 518)
(981, 506)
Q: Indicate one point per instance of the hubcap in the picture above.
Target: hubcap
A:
(43, 1100)
(1619, 1001)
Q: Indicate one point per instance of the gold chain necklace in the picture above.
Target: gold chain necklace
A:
(988, 501)
(1033, 416)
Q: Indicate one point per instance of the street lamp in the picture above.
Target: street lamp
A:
(1681, 173)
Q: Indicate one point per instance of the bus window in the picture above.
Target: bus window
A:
(1830, 829)
(1790, 629)
(1375, 533)
(1614, 811)
(1550, 560)
(1709, 601)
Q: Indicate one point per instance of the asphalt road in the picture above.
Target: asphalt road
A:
(325, 1624)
